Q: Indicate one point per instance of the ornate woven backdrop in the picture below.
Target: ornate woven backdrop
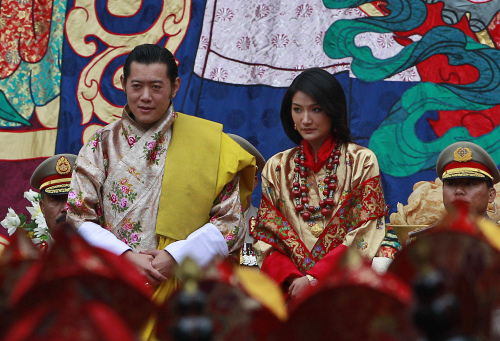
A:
(417, 76)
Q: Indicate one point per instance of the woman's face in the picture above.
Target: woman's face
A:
(310, 120)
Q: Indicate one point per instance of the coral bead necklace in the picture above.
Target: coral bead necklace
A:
(299, 192)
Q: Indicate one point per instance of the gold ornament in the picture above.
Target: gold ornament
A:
(462, 154)
(316, 230)
(63, 166)
(253, 222)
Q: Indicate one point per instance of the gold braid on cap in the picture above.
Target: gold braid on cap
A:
(58, 189)
(66, 180)
(466, 172)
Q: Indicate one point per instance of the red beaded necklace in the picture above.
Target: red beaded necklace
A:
(300, 189)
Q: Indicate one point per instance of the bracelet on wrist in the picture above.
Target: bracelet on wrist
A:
(312, 280)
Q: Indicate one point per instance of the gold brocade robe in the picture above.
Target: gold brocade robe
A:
(356, 219)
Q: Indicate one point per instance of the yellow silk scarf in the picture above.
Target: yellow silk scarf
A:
(200, 161)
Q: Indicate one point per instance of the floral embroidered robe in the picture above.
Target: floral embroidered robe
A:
(286, 246)
(118, 180)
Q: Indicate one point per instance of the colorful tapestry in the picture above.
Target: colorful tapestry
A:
(418, 75)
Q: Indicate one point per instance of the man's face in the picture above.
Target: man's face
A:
(149, 92)
(474, 192)
(54, 209)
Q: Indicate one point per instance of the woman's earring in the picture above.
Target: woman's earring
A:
(294, 126)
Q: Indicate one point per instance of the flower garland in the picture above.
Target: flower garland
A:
(36, 228)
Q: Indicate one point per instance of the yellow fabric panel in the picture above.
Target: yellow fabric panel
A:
(234, 159)
(263, 289)
(491, 231)
(28, 145)
(162, 293)
(200, 161)
(190, 176)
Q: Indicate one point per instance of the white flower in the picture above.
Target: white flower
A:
(40, 221)
(41, 231)
(11, 222)
(35, 211)
(32, 196)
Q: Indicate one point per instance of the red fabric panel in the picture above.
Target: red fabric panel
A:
(280, 268)
(328, 262)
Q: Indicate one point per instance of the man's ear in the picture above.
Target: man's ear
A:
(42, 205)
(176, 86)
(255, 181)
(492, 194)
(122, 81)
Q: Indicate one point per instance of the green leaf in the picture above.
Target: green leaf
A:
(32, 225)
(8, 113)
(22, 218)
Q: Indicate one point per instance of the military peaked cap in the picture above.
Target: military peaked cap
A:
(53, 175)
(466, 160)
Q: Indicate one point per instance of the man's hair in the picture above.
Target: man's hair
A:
(325, 89)
(150, 54)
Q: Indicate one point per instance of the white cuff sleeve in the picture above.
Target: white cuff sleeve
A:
(97, 236)
(381, 264)
(202, 246)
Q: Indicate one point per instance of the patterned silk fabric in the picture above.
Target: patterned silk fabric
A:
(356, 219)
(118, 181)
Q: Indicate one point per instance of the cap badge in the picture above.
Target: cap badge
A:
(462, 154)
(63, 166)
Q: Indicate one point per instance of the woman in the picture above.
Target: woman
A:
(321, 196)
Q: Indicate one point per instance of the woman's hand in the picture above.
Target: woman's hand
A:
(143, 263)
(298, 286)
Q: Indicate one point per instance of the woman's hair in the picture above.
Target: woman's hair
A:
(150, 54)
(328, 93)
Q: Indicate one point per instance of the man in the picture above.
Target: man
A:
(52, 178)
(468, 173)
(247, 253)
(158, 186)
